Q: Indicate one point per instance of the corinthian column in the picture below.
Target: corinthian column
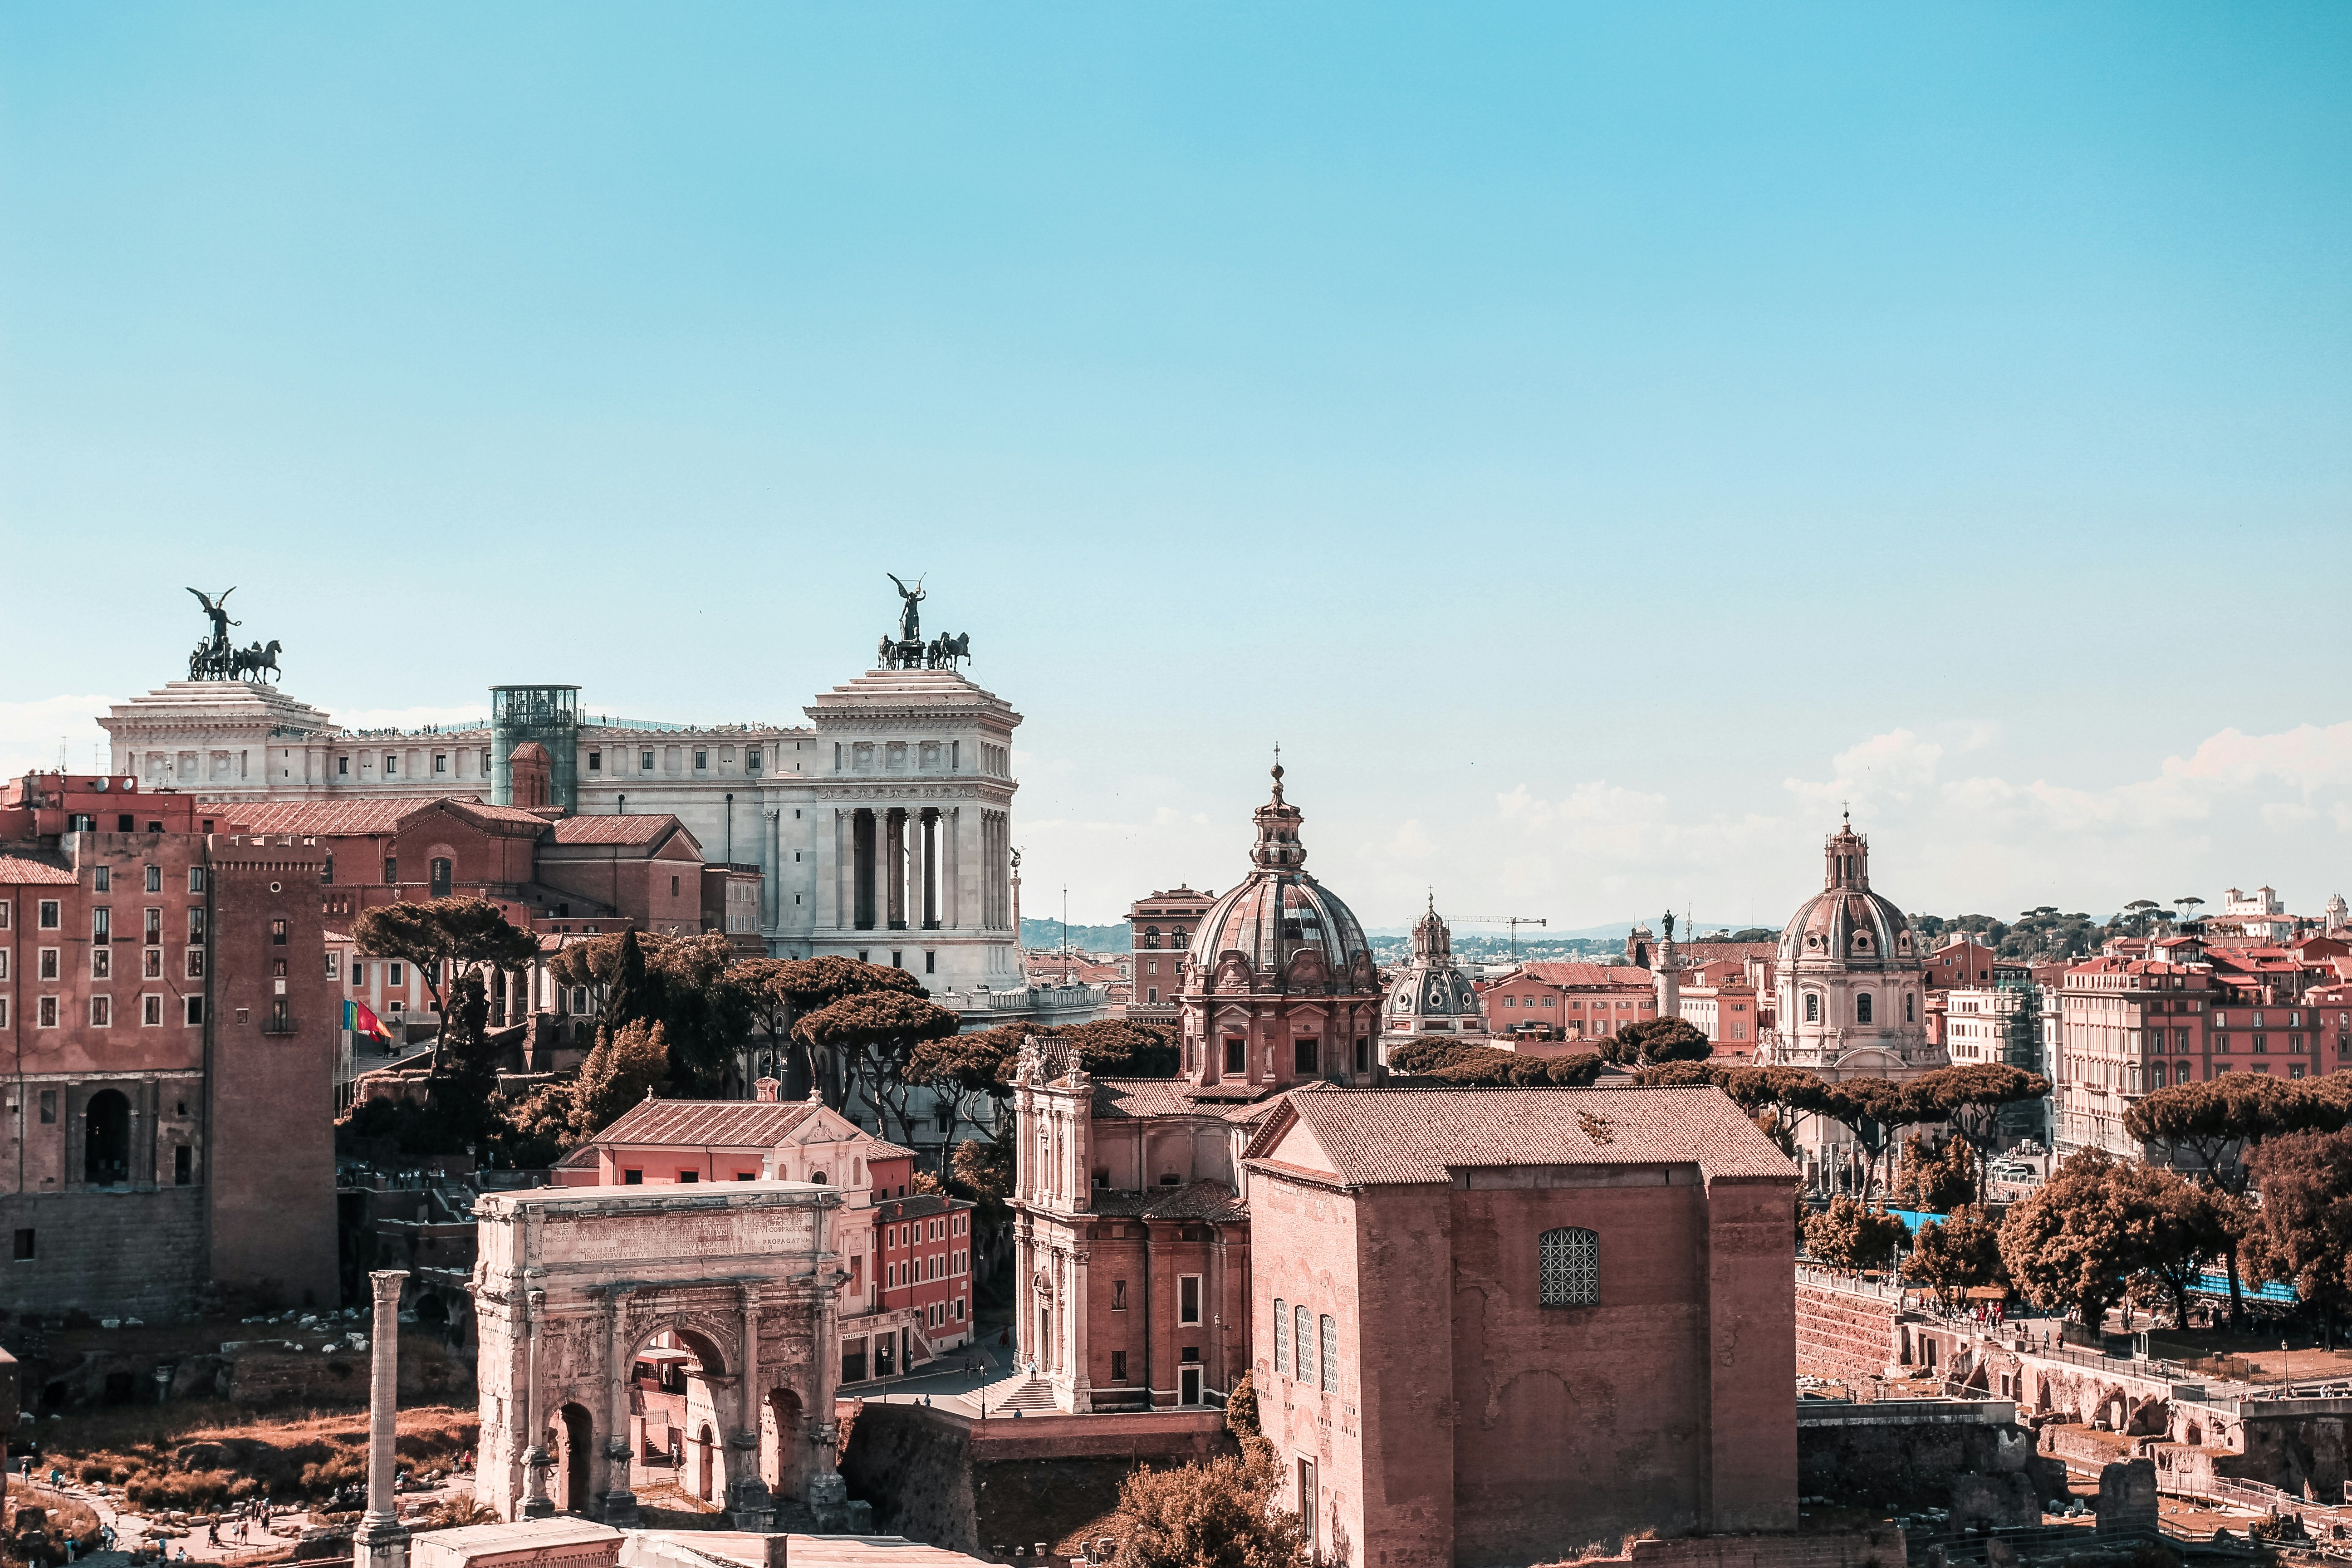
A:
(380, 1542)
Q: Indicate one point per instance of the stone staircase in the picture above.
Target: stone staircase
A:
(1024, 1391)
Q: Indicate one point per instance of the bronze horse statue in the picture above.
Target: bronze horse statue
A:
(250, 662)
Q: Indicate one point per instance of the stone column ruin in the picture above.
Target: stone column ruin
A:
(381, 1541)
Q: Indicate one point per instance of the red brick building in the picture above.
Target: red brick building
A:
(923, 1251)
(1163, 927)
(1577, 1004)
(908, 1298)
(1130, 1235)
(164, 1001)
(1960, 961)
(1281, 988)
(1499, 1325)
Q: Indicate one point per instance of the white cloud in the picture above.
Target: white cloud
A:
(30, 734)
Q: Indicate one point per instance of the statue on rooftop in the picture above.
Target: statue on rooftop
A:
(911, 620)
(214, 658)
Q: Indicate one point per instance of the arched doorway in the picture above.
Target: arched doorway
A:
(680, 1400)
(702, 1463)
(572, 1441)
(105, 1139)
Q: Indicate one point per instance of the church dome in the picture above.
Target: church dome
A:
(1431, 987)
(1846, 924)
(1278, 913)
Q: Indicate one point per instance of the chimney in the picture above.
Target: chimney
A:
(765, 1090)
(381, 1541)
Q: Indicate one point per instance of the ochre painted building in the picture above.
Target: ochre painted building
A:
(1495, 1326)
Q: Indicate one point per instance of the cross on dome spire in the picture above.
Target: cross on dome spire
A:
(1277, 847)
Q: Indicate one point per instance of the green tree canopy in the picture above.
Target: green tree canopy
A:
(445, 940)
(2302, 1232)
(1847, 1236)
(2076, 1241)
(1216, 1514)
(874, 1035)
(1655, 1041)
(1955, 1254)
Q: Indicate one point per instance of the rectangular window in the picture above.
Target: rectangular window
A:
(102, 1012)
(334, 965)
(440, 761)
(1236, 1054)
(151, 1011)
(1306, 1502)
(4, 917)
(633, 1178)
(277, 933)
(3, 964)
(395, 975)
(49, 1107)
(102, 964)
(196, 964)
(595, 762)
(45, 1017)
(1305, 1057)
(101, 879)
(48, 963)
(183, 1165)
(195, 925)
(1188, 1298)
(701, 758)
(151, 927)
(683, 1177)
(359, 972)
(1330, 1354)
(1281, 1336)
(195, 878)
(1118, 1359)
(196, 1005)
(51, 914)
(391, 766)
(25, 1252)
(343, 767)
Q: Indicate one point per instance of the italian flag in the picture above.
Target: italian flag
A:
(360, 1021)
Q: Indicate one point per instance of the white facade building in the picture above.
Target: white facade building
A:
(1850, 991)
(882, 826)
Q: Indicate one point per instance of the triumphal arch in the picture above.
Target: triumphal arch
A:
(578, 1289)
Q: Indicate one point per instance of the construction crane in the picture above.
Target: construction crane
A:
(1514, 922)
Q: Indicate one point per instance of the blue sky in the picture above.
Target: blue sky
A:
(1593, 440)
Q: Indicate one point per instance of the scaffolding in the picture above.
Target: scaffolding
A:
(548, 714)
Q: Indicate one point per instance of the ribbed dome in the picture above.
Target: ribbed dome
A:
(1430, 985)
(1279, 910)
(1845, 923)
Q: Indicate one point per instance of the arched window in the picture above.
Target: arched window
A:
(1813, 1007)
(1281, 1335)
(1180, 937)
(1569, 1268)
(1910, 1007)
(1302, 1325)
(1330, 1355)
(438, 870)
(1862, 1008)
(1151, 936)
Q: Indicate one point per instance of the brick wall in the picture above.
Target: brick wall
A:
(1881, 1546)
(134, 1254)
(1843, 1335)
(970, 1486)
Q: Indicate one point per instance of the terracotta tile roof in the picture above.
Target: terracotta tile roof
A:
(645, 827)
(495, 816)
(919, 1204)
(715, 1123)
(22, 870)
(1586, 974)
(1209, 1201)
(1378, 1137)
(316, 818)
(1116, 1098)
